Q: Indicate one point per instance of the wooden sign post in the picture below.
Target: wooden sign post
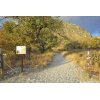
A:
(89, 64)
(21, 50)
(21, 63)
(88, 59)
(1, 62)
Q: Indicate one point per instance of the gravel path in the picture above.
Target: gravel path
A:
(59, 71)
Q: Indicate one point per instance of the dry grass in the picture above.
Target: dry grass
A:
(80, 59)
(37, 60)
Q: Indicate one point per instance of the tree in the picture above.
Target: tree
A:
(13, 36)
(3, 41)
(9, 26)
(41, 29)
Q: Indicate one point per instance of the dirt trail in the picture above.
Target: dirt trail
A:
(59, 71)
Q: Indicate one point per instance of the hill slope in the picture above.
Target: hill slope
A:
(71, 33)
(74, 32)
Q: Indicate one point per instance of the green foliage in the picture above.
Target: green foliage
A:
(41, 30)
(46, 40)
(3, 41)
(89, 43)
(9, 26)
(11, 36)
(72, 45)
(38, 31)
(44, 33)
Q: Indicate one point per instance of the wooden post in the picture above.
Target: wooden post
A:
(2, 62)
(22, 62)
(88, 59)
(89, 64)
(2, 65)
(29, 53)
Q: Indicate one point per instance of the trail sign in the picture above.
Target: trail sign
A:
(20, 49)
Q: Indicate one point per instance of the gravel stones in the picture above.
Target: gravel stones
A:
(59, 71)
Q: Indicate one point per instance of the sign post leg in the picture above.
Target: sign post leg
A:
(22, 64)
(2, 66)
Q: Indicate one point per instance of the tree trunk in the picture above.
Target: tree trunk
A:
(42, 48)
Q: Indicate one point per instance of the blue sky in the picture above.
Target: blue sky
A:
(4, 20)
(90, 23)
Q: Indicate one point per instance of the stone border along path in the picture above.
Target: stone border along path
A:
(59, 71)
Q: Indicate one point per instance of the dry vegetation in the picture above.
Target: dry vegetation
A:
(41, 60)
(79, 57)
(37, 60)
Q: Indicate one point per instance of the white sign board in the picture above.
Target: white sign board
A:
(20, 49)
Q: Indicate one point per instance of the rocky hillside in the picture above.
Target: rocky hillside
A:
(74, 33)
